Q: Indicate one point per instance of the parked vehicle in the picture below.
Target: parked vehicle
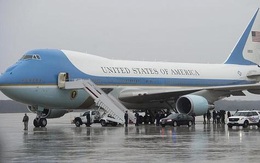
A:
(88, 118)
(176, 119)
(244, 118)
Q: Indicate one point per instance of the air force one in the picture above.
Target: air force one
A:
(52, 82)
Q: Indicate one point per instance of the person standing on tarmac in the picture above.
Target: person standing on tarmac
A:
(204, 118)
(214, 117)
(218, 117)
(228, 114)
(193, 118)
(157, 118)
(208, 117)
(25, 121)
(88, 119)
(126, 118)
(136, 119)
(223, 115)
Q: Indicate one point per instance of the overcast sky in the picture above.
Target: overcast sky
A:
(203, 31)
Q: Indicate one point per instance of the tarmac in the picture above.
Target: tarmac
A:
(61, 141)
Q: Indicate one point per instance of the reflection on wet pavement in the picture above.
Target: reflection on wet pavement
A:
(63, 142)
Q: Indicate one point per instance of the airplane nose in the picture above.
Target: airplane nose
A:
(5, 83)
(1, 81)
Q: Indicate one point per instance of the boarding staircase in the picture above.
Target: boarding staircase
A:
(109, 103)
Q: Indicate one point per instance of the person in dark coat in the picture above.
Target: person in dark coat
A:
(223, 115)
(218, 117)
(157, 118)
(214, 117)
(204, 118)
(136, 119)
(193, 118)
(88, 119)
(228, 114)
(126, 119)
(208, 116)
(25, 121)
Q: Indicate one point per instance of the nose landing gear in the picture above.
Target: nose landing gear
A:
(42, 113)
(40, 122)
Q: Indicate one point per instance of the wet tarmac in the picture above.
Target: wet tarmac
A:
(61, 141)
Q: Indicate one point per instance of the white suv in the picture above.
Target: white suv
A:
(244, 118)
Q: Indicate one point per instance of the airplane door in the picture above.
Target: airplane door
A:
(62, 78)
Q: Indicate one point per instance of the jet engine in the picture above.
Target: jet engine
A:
(254, 91)
(192, 103)
(48, 113)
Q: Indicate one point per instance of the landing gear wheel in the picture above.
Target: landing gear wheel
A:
(40, 122)
(36, 122)
(43, 122)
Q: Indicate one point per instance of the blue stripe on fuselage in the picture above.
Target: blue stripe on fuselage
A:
(45, 72)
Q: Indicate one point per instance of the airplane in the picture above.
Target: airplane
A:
(184, 87)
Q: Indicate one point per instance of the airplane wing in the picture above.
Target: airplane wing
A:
(143, 95)
(148, 95)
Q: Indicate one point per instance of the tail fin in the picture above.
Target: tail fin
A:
(247, 49)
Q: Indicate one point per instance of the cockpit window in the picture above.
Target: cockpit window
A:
(31, 56)
(26, 57)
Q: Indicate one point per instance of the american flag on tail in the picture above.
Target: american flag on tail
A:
(255, 36)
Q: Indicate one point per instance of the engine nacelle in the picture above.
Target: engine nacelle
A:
(254, 91)
(48, 113)
(189, 104)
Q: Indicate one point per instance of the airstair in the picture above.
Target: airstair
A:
(109, 103)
